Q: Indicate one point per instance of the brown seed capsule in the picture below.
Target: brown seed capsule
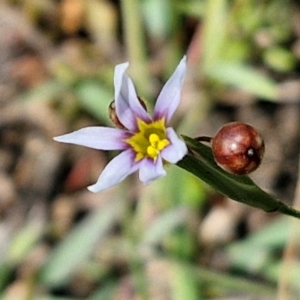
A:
(238, 148)
(113, 115)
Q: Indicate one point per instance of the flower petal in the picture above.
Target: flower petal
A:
(151, 170)
(169, 98)
(176, 150)
(117, 169)
(128, 107)
(101, 138)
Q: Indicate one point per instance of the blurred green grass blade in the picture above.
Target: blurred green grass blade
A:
(245, 78)
(23, 242)
(183, 286)
(75, 249)
(105, 292)
(157, 16)
(182, 189)
(239, 188)
(273, 235)
(94, 98)
(216, 282)
(280, 59)
(214, 33)
(274, 272)
(254, 253)
(6, 271)
(16, 297)
(135, 41)
(52, 298)
(193, 8)
(163, 225)
(44, 92)
(228, 283)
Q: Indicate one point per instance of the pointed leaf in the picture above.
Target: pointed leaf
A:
(240, 188)
(245, 78)
(95, 98)
(74, 250)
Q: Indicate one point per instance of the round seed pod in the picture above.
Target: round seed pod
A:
(238, 148)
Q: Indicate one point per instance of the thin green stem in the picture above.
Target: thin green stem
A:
(135, 263)
(289, 255)
(174, 38)
(135, 44)
(287, 210)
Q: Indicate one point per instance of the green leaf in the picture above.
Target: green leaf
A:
(106, 291)
(39, 297)
(182, 189)
(95, 98)
(183, 286)
(274, 272)
(214, 33)
(245, 78)
(280, 59)
(193, 8)
(254, 253)
(6, 272)
(214, 282)
(71, 254)
(163, 225)
(23, 242)
(52, 298)
(240, 188)
(44, 92)
(157, 16)
(258, 253)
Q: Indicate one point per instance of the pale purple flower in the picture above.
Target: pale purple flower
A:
(147, 143)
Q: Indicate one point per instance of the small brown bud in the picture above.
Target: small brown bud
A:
(113, 115)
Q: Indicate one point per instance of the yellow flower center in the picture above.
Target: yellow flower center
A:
(149, 140)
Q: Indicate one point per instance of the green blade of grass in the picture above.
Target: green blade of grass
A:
(214, 33)
(94, 98)
(105, 292)
(75, 249)
(245, 78)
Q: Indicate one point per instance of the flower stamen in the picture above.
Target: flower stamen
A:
(150, 140)
(156, 145)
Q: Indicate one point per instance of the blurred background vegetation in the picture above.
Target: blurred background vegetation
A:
(176, 238)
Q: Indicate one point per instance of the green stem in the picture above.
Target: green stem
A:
(135, 263)
(135, 43)
(287, 210)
